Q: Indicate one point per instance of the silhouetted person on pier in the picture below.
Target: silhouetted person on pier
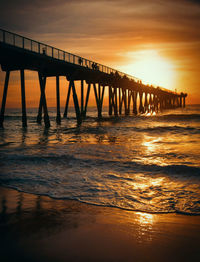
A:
(95, 67)
(80, 60)
(44, 51)
(117, 76)
(125, 77)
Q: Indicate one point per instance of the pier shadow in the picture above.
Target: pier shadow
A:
(23, 214)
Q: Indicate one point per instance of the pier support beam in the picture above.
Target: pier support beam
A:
(3, 104)
(76, 104)
(141, 108)
(82, 97)
(23, 99)
(154, 109)
(75, 99)
(99, 91)
(184, 101)
(58, 117)
(135, 102)
(155, 102)
(80, 110)
(124, 99)
(67, 100)
(113, 100)
(43, 103)
(181, 101)
(146, 103)
(110, 101)
(150, 109)
(120, 100)
(86, 100)
(39, 116)
(99, 98)
(129, 101)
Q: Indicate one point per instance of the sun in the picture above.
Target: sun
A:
(151, 68)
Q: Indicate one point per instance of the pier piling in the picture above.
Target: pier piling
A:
(23, 99)
(126, 94)
(42, 81)
(58, 117)
(3, 104)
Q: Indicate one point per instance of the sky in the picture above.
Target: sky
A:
(155, 40)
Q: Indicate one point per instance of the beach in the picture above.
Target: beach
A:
(99, 131)
(39, 228)
(120, 189)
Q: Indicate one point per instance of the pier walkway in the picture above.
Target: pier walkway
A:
(126, 93)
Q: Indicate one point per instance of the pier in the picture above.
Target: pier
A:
(127, 94)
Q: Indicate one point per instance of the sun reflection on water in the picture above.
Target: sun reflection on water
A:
(143, 182)
(145, 231)
(150, 143)
(145, 218)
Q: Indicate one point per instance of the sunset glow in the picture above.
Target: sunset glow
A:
(156, 41)
(100, 130)
(152, 68)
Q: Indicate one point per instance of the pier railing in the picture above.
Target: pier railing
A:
(41, 48)
(151, 98)
(55, 53)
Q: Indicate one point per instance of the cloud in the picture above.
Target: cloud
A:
(112, 25)
(96, 18)
(105, 30)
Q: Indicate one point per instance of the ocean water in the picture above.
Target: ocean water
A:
(147, 163)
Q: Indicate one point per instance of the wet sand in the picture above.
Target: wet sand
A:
(38, 228)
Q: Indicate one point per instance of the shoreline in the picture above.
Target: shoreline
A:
(40, 228)
(98, 205)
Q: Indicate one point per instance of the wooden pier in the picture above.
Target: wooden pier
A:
(126, 93)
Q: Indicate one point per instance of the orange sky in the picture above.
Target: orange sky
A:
(156, 40)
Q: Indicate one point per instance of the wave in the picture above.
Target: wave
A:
(90, 130)
(178, 117)
(93, 116)
(117, 165)
(104, 182)
(173, 129)
(84, 164)
(191, 212)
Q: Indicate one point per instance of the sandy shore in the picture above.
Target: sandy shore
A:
(37, 228)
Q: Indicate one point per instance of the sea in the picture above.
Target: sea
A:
(148, 163)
